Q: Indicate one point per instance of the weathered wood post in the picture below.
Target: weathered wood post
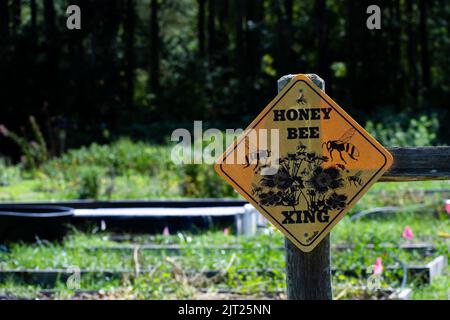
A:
(308, 275)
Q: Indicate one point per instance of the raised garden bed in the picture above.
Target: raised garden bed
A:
(423, 248)
(28, 223)
(416, 272)
(361, 293)
(351, 293)
(432, 269)
(423, 274)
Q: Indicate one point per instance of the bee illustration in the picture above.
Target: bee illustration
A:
(256, 156)
(301, 98)
(342, 145)
(356, 179)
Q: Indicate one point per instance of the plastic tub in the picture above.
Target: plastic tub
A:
(31, 222)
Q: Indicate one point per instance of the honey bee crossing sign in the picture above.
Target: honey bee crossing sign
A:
(303, 162)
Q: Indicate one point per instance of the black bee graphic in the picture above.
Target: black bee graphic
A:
(301, 98)
(257, 155)
(342, 145)
(355, 179)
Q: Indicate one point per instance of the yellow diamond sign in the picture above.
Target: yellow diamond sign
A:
(303, 162)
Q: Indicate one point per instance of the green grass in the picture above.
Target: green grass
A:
(438, 290)
(389, 227)
(166, 275)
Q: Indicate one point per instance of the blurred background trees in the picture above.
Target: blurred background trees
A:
(140, 68)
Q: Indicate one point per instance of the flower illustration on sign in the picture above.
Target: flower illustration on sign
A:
(304, 182)
(323, 180)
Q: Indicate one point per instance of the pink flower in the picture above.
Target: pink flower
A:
(378, 267)
(407, 233)
(166, 232)
(447, 206)
(226, 232)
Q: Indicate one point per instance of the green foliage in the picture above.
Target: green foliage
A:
(122, 157)
(121, 170)
(438, 290)
(202, 181)
(89, 182)
(267, 65)
(34, 151)
(142, 97)
(8, 173)
(418, 132)
(339, 69)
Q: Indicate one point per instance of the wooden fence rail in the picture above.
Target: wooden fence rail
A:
(419, 163)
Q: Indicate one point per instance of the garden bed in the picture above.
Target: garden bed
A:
(362, 293)
(417, 273)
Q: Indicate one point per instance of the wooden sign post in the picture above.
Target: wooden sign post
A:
(308, 274)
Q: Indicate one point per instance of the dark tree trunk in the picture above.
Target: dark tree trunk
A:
(154, 48)
(412, 53)
(50, 37)
(4, 19)
(321, 15)
(129, 27)
(223, 17)
(351, 51)
(281, 62)
(49, 19)
(239, 58)
(396, 52)
(201, 28)
(425, 60)
(16, 8)
(288, 18)
(33, 13)
(51, 89)
(288, 4)
(254, 15)
(211, 29)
